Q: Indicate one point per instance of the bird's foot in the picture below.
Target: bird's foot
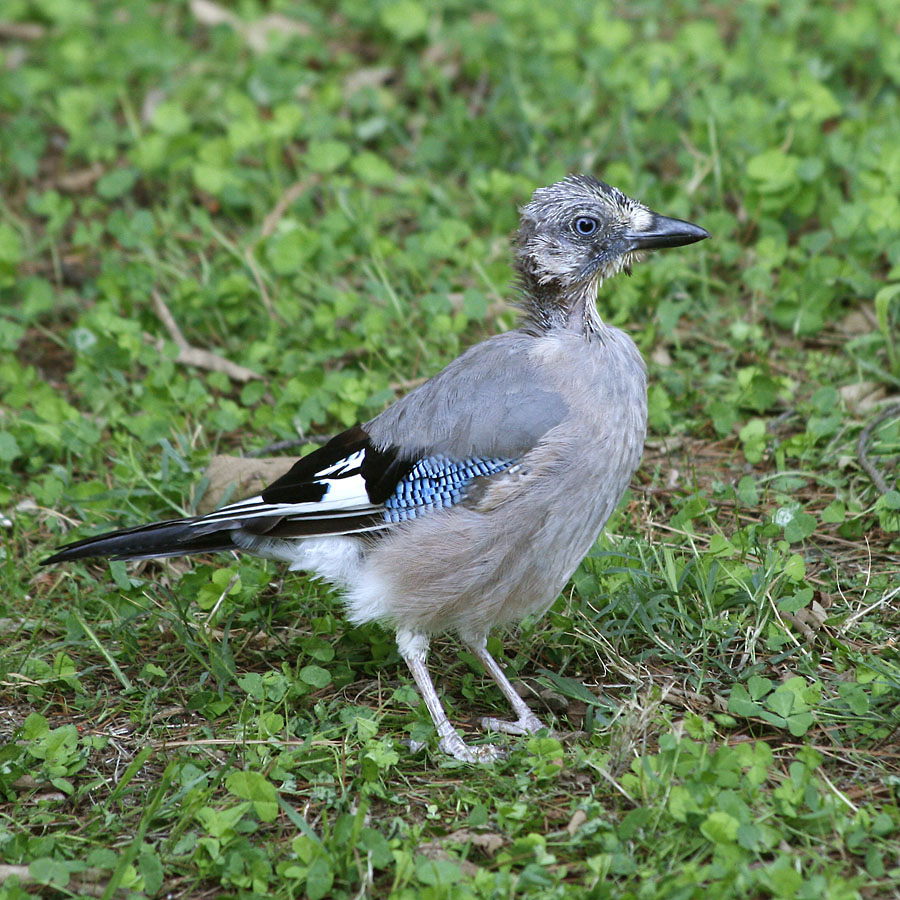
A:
(528, 723)
(453, 745)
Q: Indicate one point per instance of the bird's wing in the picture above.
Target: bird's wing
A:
(348, 486)
(325, 492)
(469, 423)
(338, 489)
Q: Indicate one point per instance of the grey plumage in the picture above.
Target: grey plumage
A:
(504, 467)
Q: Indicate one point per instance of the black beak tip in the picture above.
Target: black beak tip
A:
(696, 233)
(665, 232)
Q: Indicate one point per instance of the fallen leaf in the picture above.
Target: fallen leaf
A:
(579, 817)
(858, 321)
(862, 395)
(240, 477)
(486, 841)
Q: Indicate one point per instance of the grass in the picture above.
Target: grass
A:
(322, 195)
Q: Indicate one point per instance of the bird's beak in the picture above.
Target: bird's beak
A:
(662, 231)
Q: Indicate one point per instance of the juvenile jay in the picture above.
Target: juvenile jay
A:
(470, 501)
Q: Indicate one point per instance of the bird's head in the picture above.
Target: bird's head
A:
(580, 230)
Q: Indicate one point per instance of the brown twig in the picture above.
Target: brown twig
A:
(80, 179)
(295, 191)
(22, 31)
(195, 356)
(863, 446)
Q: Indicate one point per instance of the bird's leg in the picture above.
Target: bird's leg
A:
(528, 722)
(413, 648)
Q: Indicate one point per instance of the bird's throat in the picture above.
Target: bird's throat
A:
(554, 307)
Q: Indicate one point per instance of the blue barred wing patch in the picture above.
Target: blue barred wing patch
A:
(436, 482)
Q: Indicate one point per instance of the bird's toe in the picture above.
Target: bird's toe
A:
(526, 724)
(456, 747)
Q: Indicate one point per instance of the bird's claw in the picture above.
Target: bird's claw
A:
(453, 745)
(526, 724)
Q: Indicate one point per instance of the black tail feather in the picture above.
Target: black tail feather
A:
(175, 537)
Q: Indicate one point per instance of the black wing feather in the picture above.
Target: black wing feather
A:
(380, 469)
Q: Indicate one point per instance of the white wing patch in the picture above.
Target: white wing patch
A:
(345, 495)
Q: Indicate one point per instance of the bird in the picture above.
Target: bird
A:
(470, 501)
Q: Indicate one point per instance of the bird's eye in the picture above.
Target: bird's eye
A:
(585, 225)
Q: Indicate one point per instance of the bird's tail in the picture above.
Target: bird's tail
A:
(175, 537)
